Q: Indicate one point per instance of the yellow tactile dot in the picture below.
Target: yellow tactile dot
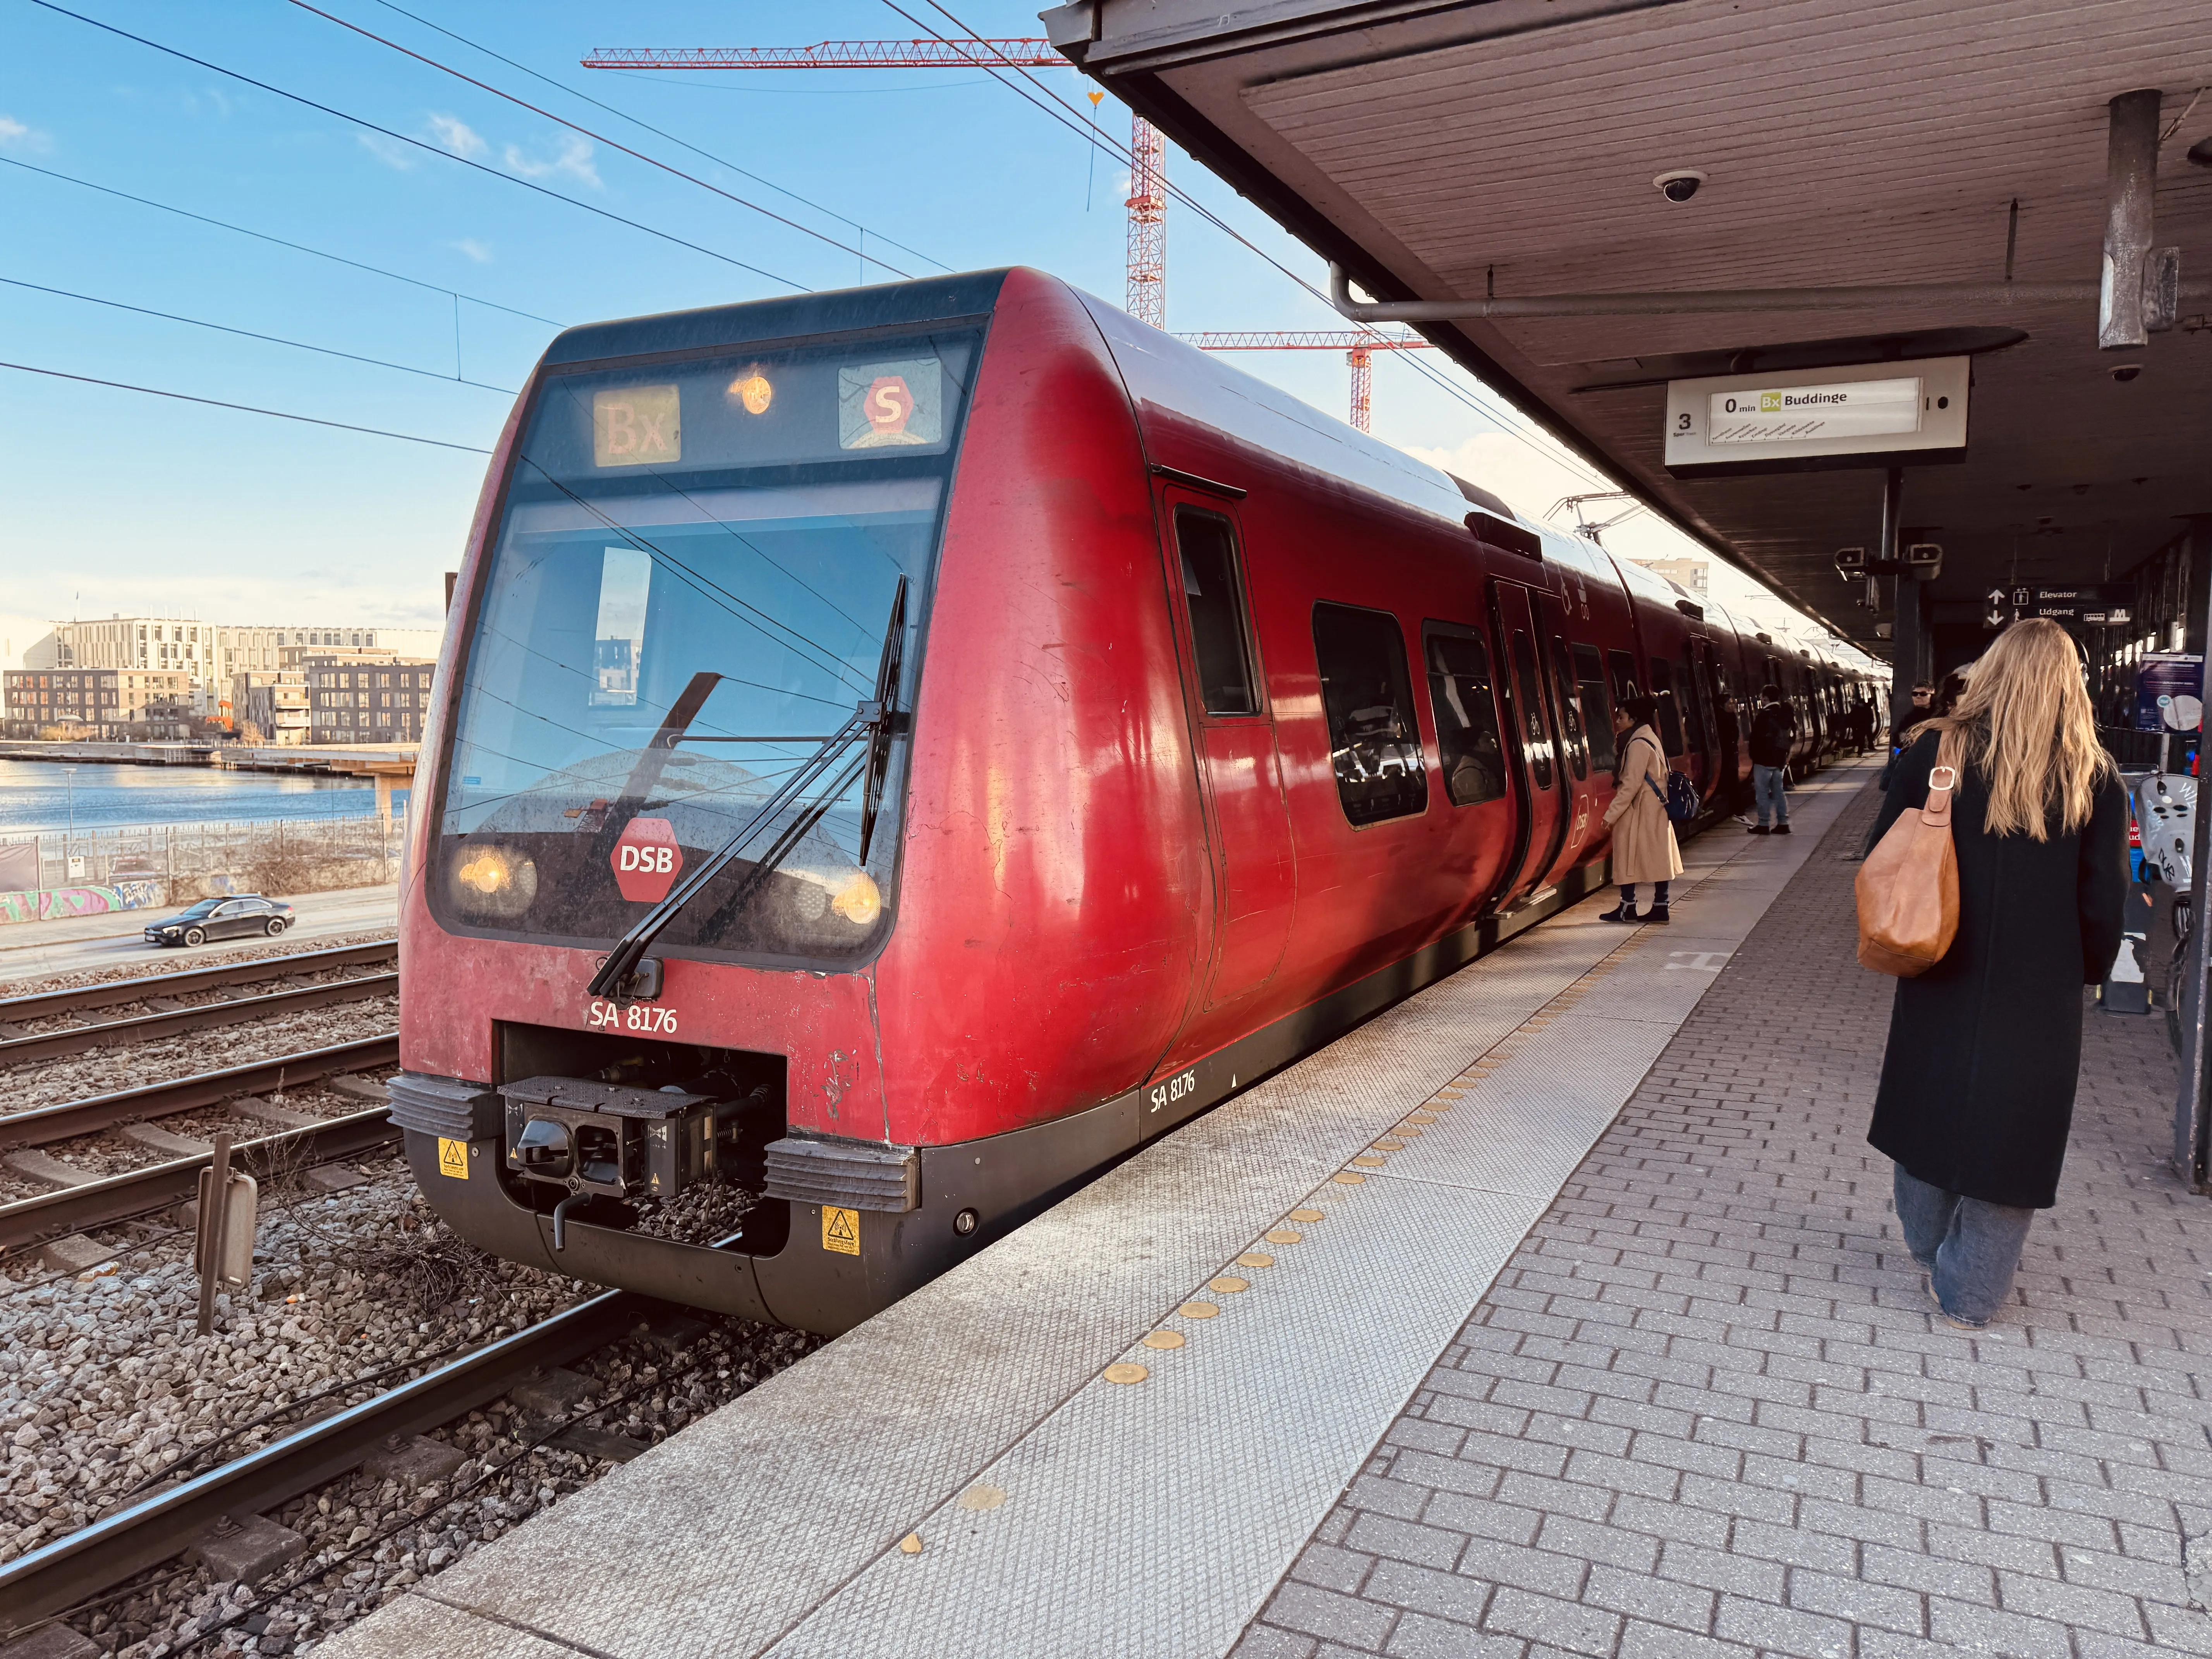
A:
(1419, 1117)
(1387, 1145)
(1347, 1178)
(1285, 1236)
(1255, 1259)
(1443, 1105)
(1405, 1130)
(1306, 1215)
(1123, 1371)
(1371, 1161)
(1198, 1310)
(911, 1544)
(1449, 1094)
(1163, 1340)
(1228, 1284)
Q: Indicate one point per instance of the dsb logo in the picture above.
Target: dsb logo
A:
(647, 859)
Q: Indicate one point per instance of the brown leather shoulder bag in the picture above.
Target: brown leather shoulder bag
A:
(1908, 888)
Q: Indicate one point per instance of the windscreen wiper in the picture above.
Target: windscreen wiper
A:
(875, 720)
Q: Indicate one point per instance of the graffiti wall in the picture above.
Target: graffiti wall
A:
(46, 904)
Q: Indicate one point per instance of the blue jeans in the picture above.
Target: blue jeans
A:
(1628, 894)
(1766, 783)
(1970, 1247)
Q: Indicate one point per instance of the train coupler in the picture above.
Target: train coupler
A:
(618, 1141)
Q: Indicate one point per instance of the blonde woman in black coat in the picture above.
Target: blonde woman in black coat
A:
(1977, 1093)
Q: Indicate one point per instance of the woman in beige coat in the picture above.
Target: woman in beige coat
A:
(1644, 848)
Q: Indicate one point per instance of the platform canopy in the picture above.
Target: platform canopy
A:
(1964, 160)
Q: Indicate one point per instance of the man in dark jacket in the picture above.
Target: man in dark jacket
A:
(1773, 734)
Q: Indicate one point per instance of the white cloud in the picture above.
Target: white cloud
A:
(458, 136)
(479, 252)
(14, 135)
(574, 160)
(390, 151)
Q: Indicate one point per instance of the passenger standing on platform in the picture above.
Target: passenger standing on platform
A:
(1644, 846)
(1977, 1092)
(1773, 735)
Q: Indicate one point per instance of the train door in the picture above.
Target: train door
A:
(1571, 720)
(1705, 727)
(1537, 764)
(1725, 721)
(1248, 821)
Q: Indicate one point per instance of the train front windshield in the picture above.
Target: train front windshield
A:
(689, 589)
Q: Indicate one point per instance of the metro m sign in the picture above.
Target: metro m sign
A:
(647, 859)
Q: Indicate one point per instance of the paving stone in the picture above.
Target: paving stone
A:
(1820, 1467)
(333, 1177)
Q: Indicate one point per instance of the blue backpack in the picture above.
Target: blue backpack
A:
(1681, 800)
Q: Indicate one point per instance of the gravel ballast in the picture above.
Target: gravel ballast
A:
(104, 1385)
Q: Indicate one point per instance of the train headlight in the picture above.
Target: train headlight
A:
(491, 880)
(859, 900)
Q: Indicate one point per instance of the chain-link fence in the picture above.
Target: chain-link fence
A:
(199, 861)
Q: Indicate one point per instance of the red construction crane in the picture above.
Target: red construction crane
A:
(1359, 348)
(1147, 286)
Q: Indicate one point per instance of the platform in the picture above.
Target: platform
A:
(1698, 1408)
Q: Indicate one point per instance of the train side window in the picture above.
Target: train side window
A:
(1374, 741)
(1624, 675)
(1692, 704)
(1527, 708)
(1567, 695)
(1597, 712)
(1467, 714)
(1214, 597)
(1670, 715)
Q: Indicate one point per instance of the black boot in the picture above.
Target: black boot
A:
(1657, 913)
(1619, 912)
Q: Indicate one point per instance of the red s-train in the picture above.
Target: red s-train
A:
(898, 750)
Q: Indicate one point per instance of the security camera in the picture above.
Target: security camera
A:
(1679, 185)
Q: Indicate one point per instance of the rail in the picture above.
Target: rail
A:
(45, 1005)
(109, 1552)
(169, 1021)
(116, 1198)
(65, 1120)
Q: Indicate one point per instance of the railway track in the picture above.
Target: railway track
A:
(102, 1201)
(170, 1018)
(82, 1566)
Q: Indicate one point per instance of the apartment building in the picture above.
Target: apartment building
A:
(363, 697)
(97, 705)
(210, 653)
(270, 705)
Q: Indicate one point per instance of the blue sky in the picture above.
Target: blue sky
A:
(111, 500)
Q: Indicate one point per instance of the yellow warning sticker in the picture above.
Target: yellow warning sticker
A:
(453, 1158)
(841, 1229)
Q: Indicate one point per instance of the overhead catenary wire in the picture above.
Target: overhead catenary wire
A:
(280, 242)
(661, 132)
(248, 334)
(246, 408)
(1052, 106)
(600, 137)
(423, 144)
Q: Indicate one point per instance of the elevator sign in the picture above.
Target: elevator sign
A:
(647, 859)
(1850, 414)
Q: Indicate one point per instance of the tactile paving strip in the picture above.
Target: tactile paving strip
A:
(1149, 1517)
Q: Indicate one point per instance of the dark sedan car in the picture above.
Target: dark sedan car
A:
(225, 918)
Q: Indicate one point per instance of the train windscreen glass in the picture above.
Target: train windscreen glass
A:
(689, 591)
